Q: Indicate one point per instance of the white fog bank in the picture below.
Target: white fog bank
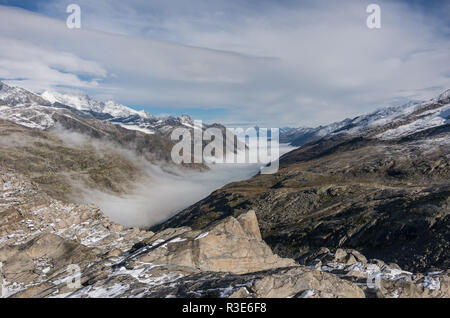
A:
(169, 193)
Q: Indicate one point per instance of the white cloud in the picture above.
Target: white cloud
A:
(44, 68)
(273, 64)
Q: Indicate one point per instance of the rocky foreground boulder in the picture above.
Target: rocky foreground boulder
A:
(53, 249)
(232, 245)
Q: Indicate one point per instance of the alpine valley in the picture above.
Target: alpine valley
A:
(358, 208)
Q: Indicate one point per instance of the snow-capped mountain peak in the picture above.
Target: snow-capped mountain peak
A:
(444, 97)
(37, 111)
(13, 96)
(385, 123)
(186, 120)
(86, 103)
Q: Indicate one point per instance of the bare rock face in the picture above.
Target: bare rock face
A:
(24, 263)
(26, 212)
(378, 279)
(41, 236)
(301, 282)
(431, 286)
(232, 245)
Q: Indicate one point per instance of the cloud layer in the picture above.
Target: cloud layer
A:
(269, 64)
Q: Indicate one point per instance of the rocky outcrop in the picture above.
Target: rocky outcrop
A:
(378, 279)
(26, 212)
(24, 264)
(300, 282)
(233, 259)
(232, 245)
(40, 236)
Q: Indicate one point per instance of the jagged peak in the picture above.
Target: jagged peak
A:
(444, 96)
(85, 102)
(186, 117)
(4, 86)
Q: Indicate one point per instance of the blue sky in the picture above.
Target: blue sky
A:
(271, 63)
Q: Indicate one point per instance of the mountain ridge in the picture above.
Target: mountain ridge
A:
(83, 104)
(304, 135)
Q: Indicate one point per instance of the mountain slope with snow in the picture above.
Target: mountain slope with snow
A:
(385, 123)
(98, 119)
(86, 103)
(36, 111)
(13, 96)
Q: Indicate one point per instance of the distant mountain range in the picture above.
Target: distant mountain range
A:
(99, 119)
(402, 115)
(37, 110)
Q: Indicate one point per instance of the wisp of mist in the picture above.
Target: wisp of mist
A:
(169, 190)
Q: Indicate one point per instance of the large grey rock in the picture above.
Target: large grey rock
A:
(231, 245)
(305, 282)
(21, 262)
